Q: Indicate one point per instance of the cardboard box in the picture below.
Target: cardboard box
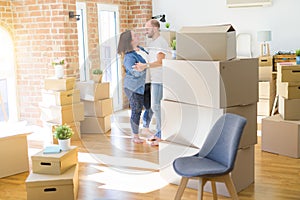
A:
(289, 109)
(96, 124)
(189, 124)
(100, 108)
(49, 187)
(60, 98)
(266, 90)
(206, 43)
(265, 73)
(60, 84)
(62, 114)
(13, 154)
(211, 83)
(265, 61)
(242, 174)
(289, 90)
(91, 91)
(288, 72)
(281, 136)
(56, 163)
(264, 107)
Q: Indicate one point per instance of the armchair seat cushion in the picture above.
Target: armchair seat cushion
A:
(198, 167)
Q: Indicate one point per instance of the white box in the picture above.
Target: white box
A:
(281, 136)
(100, 108)
(263, 107)
(266, 90)
(211, 83)
(49, 187)
(60, 98)
(91, 91)
(56, 163)
(189, 124)
(96, 124)
(206, 43)
(242, 174)
(13, 154)
(62, 114)
(289, 109)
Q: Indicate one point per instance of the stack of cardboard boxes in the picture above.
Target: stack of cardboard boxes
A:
(267, 86)
(61, 104)
(281, 133)
(209, 82)
(53, 176)
(97, 106)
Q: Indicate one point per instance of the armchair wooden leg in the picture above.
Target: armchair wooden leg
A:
(181, 188)
(201, 184)
(214, 190)
(230, 187)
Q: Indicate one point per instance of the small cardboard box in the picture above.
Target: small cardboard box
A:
(266, 90)
(289, 90)
(91, 91)
(49, 187)
(265, 61)
(96, 124)
(100, 108)
(60, 84)
(13, 154)
(281, 136)
(289, 109)
(62, 114)
(211, 83)
(60, 98)
(242, 174)
(56, 163)
(288, 72)
(265, 73)
(206, 43)
(189, 124)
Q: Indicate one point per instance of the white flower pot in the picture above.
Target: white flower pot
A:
(59, 71)
(64, 144)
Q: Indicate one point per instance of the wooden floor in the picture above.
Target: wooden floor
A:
(114, 168)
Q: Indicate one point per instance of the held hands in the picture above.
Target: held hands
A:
(140, 66)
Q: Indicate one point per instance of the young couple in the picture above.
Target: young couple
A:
(136, 85)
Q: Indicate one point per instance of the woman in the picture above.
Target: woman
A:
(134, 81)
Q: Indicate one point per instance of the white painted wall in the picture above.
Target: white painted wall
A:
(282, 18)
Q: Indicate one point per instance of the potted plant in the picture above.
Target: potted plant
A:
(173, 45)
(97, 75)
(167, 25)
(58, 65)
(298, 56)
(63, 134)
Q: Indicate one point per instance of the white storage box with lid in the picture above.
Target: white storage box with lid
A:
(60, 98)
(55, 163)
(91, 91)
(50, 187)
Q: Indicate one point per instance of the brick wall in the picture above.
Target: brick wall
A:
(43, 31)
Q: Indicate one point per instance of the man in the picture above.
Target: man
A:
(157, 48)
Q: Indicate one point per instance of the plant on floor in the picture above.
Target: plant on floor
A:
(63, 132)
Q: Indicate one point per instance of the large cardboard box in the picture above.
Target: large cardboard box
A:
(211, 83)
(242, 174)
(206, 43)
(56, 163)
(91, 91)
(62, 114)
(189, 124)
(100, 108)
(13, 153)
(289, 90)
(60, 84)
(60, 98)
(288, 72)
(49, 187)
(96, 124)
(289, 109)
(281, 136)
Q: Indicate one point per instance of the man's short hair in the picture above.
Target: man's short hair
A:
(155, 23)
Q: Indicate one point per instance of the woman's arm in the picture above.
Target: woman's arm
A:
(129, 63)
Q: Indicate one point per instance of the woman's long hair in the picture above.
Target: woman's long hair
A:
(124, 45)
